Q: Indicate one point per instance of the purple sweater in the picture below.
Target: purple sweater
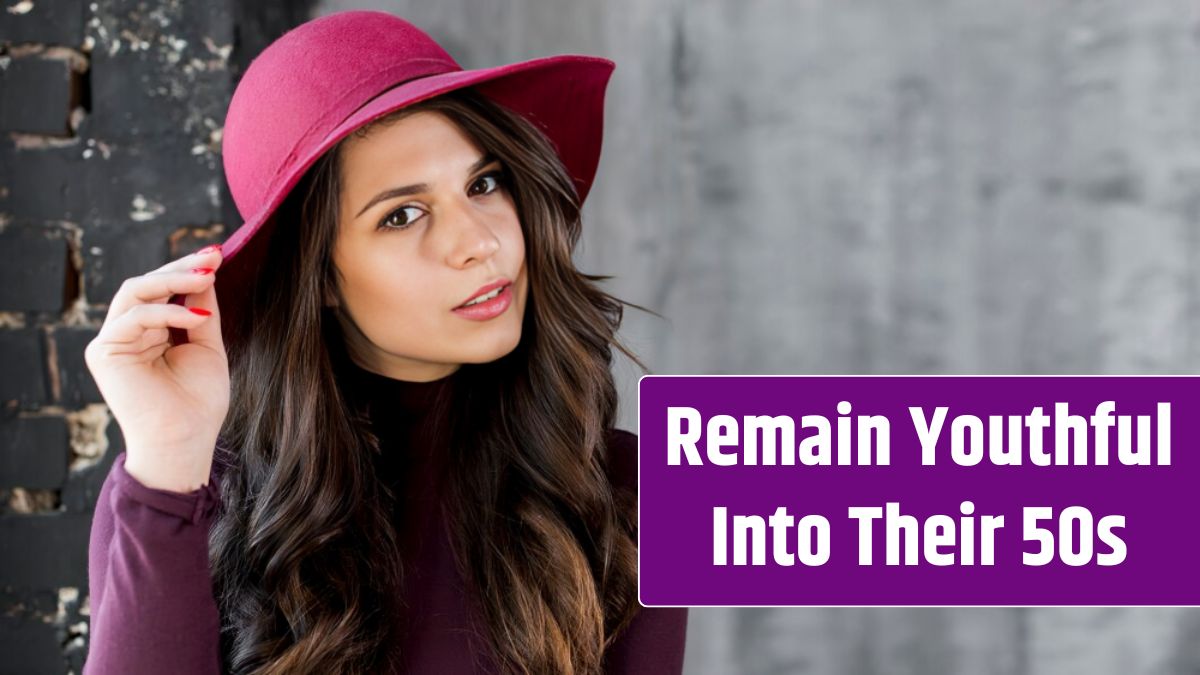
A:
(152, 602)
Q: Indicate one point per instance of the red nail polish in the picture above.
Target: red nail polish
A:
(209, 249)
(202, 270)
(199, 310)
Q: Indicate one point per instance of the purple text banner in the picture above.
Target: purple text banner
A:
(757, 491)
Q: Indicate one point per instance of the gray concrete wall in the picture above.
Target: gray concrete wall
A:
(891, 186)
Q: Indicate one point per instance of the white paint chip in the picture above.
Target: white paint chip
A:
(144, 209)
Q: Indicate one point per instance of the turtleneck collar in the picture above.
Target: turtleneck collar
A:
(388, 395)
(364, 385)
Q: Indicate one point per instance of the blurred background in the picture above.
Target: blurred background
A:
(797, 186)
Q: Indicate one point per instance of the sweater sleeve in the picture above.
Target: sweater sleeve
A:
(152, 604)
(654, 641)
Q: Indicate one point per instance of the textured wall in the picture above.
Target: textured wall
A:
(110, 127)
(891, 186)
(110, 117)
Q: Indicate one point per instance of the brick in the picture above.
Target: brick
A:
(52, 548)
(30, 646)
(26, 603)
(23, 367)
(152, 183)
(59, 22)
(83, 486)
(112, 255)
(34, 452)
(151, 85)
(33, 269)
(29, 616)
(38, 93)
(76, 386)
(41, 183)
(144, 184)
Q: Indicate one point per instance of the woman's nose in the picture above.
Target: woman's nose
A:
(471, 237)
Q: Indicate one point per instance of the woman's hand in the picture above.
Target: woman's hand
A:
(169, 400)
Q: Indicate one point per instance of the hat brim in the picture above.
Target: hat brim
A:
(562, 95)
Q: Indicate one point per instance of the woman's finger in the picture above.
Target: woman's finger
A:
(206, 255)
(208, 333)
(157, 287)
(124, 333)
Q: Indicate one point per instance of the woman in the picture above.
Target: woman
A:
(373, 431)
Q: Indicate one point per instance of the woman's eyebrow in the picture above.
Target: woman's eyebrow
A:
(417, 188)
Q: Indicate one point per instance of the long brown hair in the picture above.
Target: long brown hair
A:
(304, 554)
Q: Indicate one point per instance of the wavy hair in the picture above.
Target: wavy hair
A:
(303, 551)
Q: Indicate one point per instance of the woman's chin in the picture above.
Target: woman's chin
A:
(494, 349)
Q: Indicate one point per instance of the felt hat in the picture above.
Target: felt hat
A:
(327, 77)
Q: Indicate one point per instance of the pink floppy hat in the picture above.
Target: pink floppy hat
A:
(327, 77)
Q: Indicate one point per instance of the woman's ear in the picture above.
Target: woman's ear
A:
(330, 299)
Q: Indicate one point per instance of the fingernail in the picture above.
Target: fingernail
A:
(202, 270)
(209, 249)
(199, 310)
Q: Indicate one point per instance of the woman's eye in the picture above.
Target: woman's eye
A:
(493, 181)
(398, 219)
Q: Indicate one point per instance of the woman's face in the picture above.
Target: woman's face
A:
(424, 224)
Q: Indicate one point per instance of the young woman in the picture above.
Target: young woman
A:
(373, 432)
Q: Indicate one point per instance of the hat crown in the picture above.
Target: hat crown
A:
(308, 81)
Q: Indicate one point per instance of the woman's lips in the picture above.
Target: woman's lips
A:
(486, 288)
(489, 309)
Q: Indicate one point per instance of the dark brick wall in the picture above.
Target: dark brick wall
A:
(110, 128)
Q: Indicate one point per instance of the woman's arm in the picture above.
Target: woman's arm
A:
(654, 641)
(151, 596)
